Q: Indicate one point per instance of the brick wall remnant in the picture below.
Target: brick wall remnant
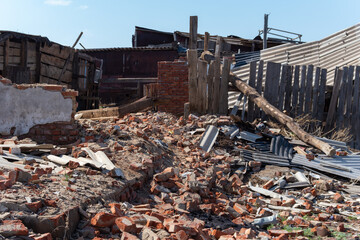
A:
(43, 112)
(173, 86)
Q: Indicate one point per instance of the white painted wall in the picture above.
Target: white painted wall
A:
(24, 109)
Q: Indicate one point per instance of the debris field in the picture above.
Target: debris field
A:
(151, 175)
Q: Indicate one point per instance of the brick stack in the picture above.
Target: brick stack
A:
(173, 88)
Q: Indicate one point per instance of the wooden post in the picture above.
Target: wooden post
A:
(288, 93)
(252, 78)
(216, 86)
(334, 99)
(223, 100)
(202, 82)
(281, 117)
(6, 56)
(192, 60)
(266, 16)
(349, 95)
(206, 41)
(342, 95)
(193, 33)
(315, 98)
(23, 54)
(295, 94)
(309, 80)
(322, 90)
(302, 90)
(210, 88)
(259, 81)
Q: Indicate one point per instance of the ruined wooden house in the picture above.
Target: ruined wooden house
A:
(35, 59)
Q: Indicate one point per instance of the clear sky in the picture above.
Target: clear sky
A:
(110, 23)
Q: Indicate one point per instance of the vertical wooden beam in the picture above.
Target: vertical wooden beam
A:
(252, 78)
(75, 72)
(288, 93)
(285, 74)
(193, 34)
(259, 81)
(192, 60)
(315, 98)
(6, 56)
(349, 95)
(206, 41)
(342, 96)
(272, 82)
(224, 86)
(266, 16)
(355, 113)
(38, 63)
(322, 90)
(216, 84)
(302, 90)
(308, 88)
(295, 93)
(334, 99)
(210, 88)
(202, 82)
(23, 53)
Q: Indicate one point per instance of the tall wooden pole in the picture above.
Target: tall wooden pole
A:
(265, 30)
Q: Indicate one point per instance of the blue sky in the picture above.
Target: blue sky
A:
(110, 23)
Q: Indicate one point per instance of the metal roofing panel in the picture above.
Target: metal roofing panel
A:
(337, 50)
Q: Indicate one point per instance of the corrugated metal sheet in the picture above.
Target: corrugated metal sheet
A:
(333, 165)
(337, 50)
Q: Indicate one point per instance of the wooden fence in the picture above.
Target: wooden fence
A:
(301, 90)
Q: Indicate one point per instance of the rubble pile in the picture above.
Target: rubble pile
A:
(155, 176)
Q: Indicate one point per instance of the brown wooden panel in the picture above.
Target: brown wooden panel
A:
(54, 73)
(14, 52)
(55, 61)
(252, 79)
(14, 45)
(272, 82)
(44, 79)
(295, 89)
(57, 50)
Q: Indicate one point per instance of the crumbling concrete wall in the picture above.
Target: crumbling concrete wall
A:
(173, 86)
(35, 106)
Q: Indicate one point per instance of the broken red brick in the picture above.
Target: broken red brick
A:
(338, 198)
(10, 228)
(126, 224)
(103, 219)
(35, 206)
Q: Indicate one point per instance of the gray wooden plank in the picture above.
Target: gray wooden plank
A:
(342, 96)
(321, 100)
(308, 88)
(259, 81)
(295, 92)
(302, 90)
(252, 78)
(334, 99)
(202, 82)
(216, 86)
(288, 92)
(272, 82)
(193, 86)
(315, 94)
(355, 104)
(224, 85)
(349, 96)
(280, 96)
(210, 86)
(355, 113)
(193, 32)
